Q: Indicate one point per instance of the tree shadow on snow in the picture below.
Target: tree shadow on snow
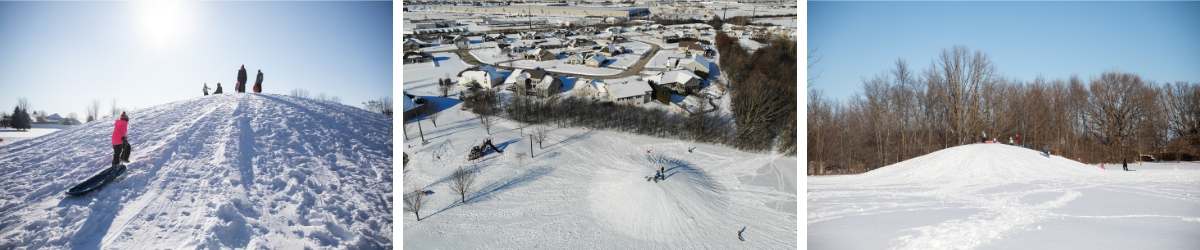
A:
(486, 192)
(490, 190)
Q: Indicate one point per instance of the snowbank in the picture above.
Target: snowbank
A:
(221, 171)
(995, 196)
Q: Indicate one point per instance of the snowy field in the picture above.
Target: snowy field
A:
(994, 196)
(422, 77)
(221, 171)
(587, 189)
(11, 135)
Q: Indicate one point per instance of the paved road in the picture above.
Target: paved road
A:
(632, 71)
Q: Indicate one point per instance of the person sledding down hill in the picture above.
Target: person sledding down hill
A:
(120, 142)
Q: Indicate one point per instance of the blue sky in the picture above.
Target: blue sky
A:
(62, 55)
(857, 40)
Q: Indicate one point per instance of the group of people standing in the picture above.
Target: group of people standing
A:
(983, 138)
(240, 87)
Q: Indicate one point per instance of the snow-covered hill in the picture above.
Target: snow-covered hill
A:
(587, 189)
(228, 171)
(995, 196)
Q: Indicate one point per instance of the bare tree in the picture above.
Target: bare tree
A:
(462, 181)
(382, 105)
(93, 110)
(1119, 104)
(444, 86)
(540, 135)
(114, 111)
(23, 103)
(486, 120)
(302, 93)
(414, 200)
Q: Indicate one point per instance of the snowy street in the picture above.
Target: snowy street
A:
(994, 196)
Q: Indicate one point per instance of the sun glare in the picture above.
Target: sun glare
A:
(163, 22)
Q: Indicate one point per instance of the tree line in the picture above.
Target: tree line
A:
(762, 86)
(960, 98)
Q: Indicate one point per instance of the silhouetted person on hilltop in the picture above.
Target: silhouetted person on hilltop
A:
(206, 88)
(241, 80)
(218, 91)
(1125, 164)
(258, 82)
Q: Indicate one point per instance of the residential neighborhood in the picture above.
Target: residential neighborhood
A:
(620, 124)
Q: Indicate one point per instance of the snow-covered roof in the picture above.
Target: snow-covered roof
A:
(627, 88)
(516, 75)
(678, 76)
(545, 83)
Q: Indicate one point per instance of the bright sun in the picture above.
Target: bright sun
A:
(162, 22)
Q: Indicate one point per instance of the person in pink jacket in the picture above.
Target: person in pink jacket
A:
(120, 143)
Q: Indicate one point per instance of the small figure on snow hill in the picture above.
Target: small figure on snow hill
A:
(1010, 140)
(120, 142)
(1125, 164)
(206, 89)
(258, 82)
(218, 91)
(241, 80)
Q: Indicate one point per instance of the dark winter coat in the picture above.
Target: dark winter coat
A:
(218, 91)
(205, 89)
(258, 82)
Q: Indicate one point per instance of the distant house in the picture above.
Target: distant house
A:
(697, 64)
(53, 118)
(596, 60)
(632, 92)
(540, 55)
(612, 50)
(482, 77)
(581, 43)
(577, 58)
(536, 82)
(412, 44)
(594, 89)
(691, 48)
(417, 57)
(679, 81)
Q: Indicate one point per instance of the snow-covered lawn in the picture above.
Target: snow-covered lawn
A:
(489, 55)
(587, 189)
(422, 77)
(636, 47)
(10, 135)
(662, 59)
(623, 61)
(994, 196)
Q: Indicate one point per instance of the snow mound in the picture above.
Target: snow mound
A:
(654, 211)
(981, 163)
(220, 171)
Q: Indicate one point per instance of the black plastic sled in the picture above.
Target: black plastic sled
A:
(97, 181)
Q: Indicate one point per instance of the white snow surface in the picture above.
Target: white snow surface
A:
(220, 171)
(587, 189)
(995, 196)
